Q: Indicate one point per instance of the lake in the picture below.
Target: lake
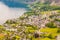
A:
(10, 10)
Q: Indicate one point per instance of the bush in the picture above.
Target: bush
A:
(57, 20)
(51, 25)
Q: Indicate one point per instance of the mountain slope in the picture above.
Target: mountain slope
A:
(42, 22)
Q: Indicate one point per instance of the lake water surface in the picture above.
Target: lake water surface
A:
(8, 11)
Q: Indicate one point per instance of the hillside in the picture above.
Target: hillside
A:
(41, 22)
(42, 1)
